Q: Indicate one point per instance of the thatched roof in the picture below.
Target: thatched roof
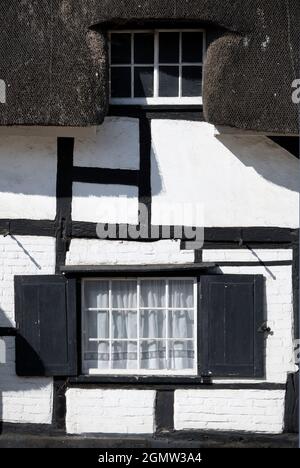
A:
(53, 58)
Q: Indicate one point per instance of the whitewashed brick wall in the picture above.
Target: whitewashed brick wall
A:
(23, 400)
(21, 255)
(230, 410)
(91, 252)
(110, 411)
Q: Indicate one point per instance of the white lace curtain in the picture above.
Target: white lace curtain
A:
(146, 327)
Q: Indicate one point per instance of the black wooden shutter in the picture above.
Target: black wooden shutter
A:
(231, 343)
(46, 320)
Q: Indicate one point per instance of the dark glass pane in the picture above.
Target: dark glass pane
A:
(168, 47)
(192, 47)
(144, 48)
(191, 81)
(168, 81)
(121, 82)
(143, 82)
(121, 48)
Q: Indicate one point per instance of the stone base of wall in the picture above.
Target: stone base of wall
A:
(176, 440)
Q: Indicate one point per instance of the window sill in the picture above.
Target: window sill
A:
(115, 270)
(167, 383)
(143, 380)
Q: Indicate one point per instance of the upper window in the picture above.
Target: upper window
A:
(139, 326)
(156, 67)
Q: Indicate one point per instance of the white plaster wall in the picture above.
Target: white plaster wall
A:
(23, 400)
(238, 180)
(28, 177)
(230, 410)
(21, 255)
(115, 145)
(105, 252)
(105, 203)
(110, 411)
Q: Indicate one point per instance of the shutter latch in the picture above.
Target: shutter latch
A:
(265, 329)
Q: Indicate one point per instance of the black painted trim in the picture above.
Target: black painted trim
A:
(296, 281)
(198, 255)
(291, 413)
(64, 193)
(6, 332)
(27, 227)
(260, 263)
(165, 383)
(59, 404)
(241, 238)
(159, 112)
(164, 411)
(91, 175)
(115, 270)
(145, 189)
(64, 196)
(246, 235)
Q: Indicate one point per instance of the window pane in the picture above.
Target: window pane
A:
(191, 81)
(144, 48)
(97, 356)
(153, 355)
(181, 324)
(192, 47)
(98, 324)
(124, 325)
(120, 82)
(181, 294)
(153, 324)
(181, 355)
(153, 294)
(124, 294)
(168, 81)
(169, 47)
(143, 82)
(121, 48)
(124, 355)
(96, 294)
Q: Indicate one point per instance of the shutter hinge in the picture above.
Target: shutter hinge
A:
(265, 329)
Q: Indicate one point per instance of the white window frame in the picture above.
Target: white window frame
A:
(156, 100)
(138, 371)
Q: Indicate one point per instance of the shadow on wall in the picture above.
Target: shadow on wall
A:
(267, 158)
(9, 381)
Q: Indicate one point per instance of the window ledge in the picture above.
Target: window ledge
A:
(168, 382)
(190, 268)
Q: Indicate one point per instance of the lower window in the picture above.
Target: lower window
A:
(139, 326)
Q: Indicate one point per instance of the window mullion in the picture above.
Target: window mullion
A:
(180, 65)
(196, 325)
(138, 326)
(132, 65)
(156, 64)
(167, 324)
(110, 324)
